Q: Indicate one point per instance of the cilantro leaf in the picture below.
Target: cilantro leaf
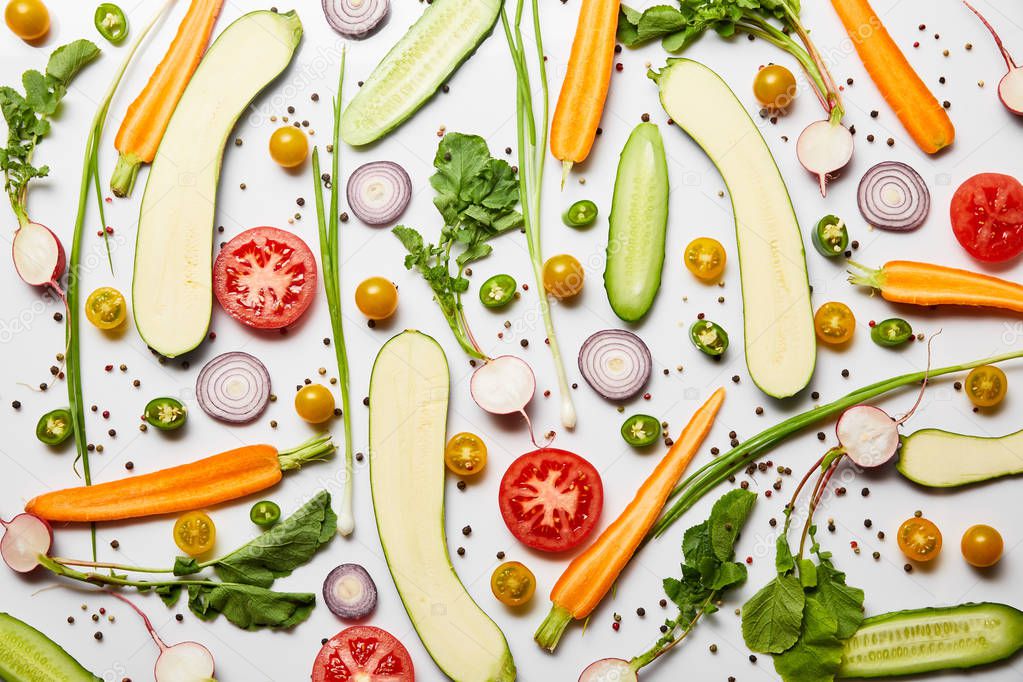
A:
(772, 617)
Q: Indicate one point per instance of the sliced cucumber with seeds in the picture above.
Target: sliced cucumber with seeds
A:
(927, 640)
(447, 34)
(27, 655)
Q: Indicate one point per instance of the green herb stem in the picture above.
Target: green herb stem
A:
(64, 571)
(670, 638)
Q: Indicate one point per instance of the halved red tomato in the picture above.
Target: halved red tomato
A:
(551, 499)
(363, 653)
(987, 216)
(265, 277)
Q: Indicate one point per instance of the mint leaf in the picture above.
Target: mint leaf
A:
(771, 618)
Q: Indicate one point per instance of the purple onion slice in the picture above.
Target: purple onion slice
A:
(356, 19)
(379, 192)
(233, 387)
(615, 363)
(893, 196)
(349, 592)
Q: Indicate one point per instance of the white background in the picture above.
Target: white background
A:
(481, 101)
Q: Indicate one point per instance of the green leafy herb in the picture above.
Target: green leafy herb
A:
(247, 606)
(771, 618)
(476, 196)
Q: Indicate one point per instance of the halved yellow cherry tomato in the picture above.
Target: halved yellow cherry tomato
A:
(982, 546)
(986, 386)
(774, 86)
(27, 19)
(512, 583)
(314, 403)
(289, 146)
(106, 308)
(465, 454)
(919, 539)
(563, 276)
(834, 323)
(705, 258)
(195, 533)
(377, 298)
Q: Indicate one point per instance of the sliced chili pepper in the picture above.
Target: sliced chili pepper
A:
(54, 427)
(580, 214)
(641, 430)
(891, 332)
(709, 337)
(111, 22)
(497, 291)
(830, 237)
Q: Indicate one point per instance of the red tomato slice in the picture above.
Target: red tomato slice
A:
(265, 277)
(987, 216)
(363, 653)
(551, 499)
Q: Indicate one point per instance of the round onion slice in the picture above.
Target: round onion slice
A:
(356, 18)
(893, 196)
(615, 363)
(233, 387)
(379, 192)
(349, 592)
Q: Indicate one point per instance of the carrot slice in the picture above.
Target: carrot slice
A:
(902, 281)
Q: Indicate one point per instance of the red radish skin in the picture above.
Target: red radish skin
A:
(183, 662)
(1010, 88)
(38, 256)
(868, 435)
(824, 148)
(26, 537)
(609, 670)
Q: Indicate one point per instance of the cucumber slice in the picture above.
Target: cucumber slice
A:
(926, 640)
(27, 655)
(639, 222)
(781, 349)
(172, 289)
(447, 34)
(408, 407)
(942, 459)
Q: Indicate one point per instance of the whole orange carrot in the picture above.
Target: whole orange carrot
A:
(902, 281)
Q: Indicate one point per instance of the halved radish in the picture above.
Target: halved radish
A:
(184, 662)
(1010, 88)
(26, 537)
(609, 670)
(824, 147)
(503, 385)
(868, 435)
(38, 255)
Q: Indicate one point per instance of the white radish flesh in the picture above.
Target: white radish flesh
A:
(38, 255)
(868, 435)
(609, 670)
(26, 536)
(184, 662)
(503, 385)
(824, 148)
(1010, 88)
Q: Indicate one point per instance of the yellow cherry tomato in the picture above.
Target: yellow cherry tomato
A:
(774, 86)
(512, 583)
(919, 539)
(834, 323)
(563, 276)
(377, 298)
(314, 403)
(705, 258)
(465, 454)
(986, 386)
(982, 546)
(289, 146)
(195, 533)
(27, 19)
(106, 308)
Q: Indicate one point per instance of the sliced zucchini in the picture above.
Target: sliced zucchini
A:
(927, 640)
(639, 222)
(447, 34)
(172, 288)
(27, 655)
(942, 459)
(780, 346)
(408, 407)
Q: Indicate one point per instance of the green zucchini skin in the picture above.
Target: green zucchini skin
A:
(28, 655)
(942, 459)
(638, 225)
(970, 635)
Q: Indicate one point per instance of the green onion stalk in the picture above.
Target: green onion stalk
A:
(532, 154)
(72, 335)
(330, 267)
(710, 475)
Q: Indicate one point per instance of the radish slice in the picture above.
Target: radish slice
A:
(26, 537)
(356, 19)
(868, 435)
(503, 385)
(1010, 88)
(184, 662)
(609, 670)
(350, 592)
(893, 196)
(615, 363)
(824, 148)
(38, 255)
(233, 387)
(379, 192)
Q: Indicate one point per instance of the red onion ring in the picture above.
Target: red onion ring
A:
(350, 592)
(233, 387)
(379, 192)
(615, 363)
(356, 18)
(893, 196)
